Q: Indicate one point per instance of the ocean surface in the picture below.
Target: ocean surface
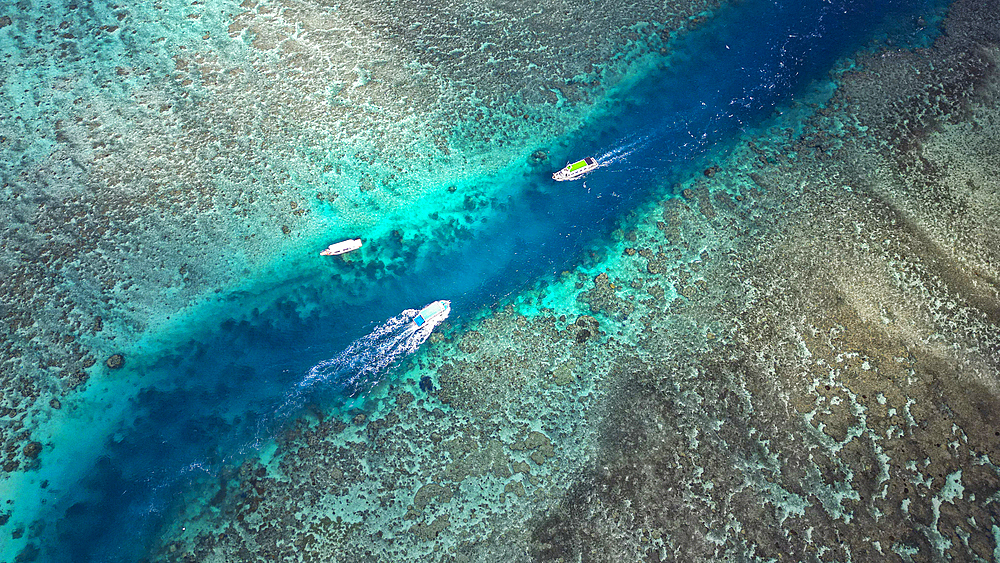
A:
(227, 380)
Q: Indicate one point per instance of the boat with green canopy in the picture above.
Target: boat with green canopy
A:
(575, 170)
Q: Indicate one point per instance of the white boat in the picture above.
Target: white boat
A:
(342, 247)
(436, 311)
(575, 170)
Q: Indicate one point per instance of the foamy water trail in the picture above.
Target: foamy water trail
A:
(359, 366)
(356, 370)
(677, 123)
(620, 153)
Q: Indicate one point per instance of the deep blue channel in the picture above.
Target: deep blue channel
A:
(723, 77)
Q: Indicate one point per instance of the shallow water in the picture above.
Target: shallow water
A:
(226, 389)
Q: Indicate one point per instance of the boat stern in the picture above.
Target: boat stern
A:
(436, 311)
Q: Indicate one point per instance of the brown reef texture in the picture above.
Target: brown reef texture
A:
(795, 360)
(175, 175)
(850, 410)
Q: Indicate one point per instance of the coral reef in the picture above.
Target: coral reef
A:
(795, 357)
(148, 164)
(792, 354)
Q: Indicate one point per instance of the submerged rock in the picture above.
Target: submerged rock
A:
(426, 385)
(429, 492)
(32, 449)
(539, 157)
(428, 532)
(116, 361)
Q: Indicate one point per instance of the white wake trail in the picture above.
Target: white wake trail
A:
(356, 370)
(622, 152)
(358, 367)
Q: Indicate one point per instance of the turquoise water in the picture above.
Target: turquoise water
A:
(223, 385)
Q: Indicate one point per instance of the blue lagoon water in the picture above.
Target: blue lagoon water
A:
(226, 389)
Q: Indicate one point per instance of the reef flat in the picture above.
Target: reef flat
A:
(157, 156)
(166, 167)
(792, 355)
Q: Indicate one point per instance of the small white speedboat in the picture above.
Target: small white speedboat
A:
(433, 313)
(575, 170)
(342, 247)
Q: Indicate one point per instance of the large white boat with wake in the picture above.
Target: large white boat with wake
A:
(576, 169)
(342, 247)
(436, 311)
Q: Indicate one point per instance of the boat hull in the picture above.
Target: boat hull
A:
(342, 247)
(576, 170)
(432, 314)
